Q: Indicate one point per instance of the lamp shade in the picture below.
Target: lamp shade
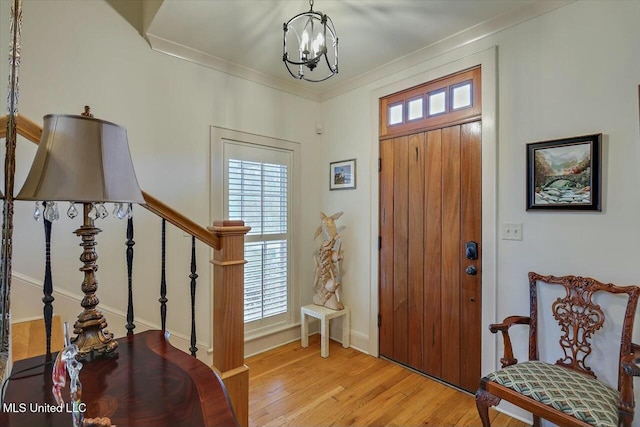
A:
(82, 159)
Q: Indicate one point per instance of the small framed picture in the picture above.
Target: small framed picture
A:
(564, 174)
(342, 175)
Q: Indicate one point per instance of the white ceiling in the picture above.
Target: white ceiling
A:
(244, 37)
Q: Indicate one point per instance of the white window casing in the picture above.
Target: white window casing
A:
(254, 179)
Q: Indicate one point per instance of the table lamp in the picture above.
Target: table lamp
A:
(84, 160)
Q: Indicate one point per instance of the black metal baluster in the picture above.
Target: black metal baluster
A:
(163, 280)
(193, 276)
(130, 242)
(47, 289)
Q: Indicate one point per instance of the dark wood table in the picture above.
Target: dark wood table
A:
(150, 384)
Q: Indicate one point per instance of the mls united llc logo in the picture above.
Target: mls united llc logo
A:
(21, 408)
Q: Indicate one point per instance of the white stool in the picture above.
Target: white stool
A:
(324, 314)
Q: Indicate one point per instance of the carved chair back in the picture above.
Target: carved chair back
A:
(579, 317)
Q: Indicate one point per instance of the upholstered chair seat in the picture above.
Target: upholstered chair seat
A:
(571, 392)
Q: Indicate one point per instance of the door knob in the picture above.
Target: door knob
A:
(471, 270)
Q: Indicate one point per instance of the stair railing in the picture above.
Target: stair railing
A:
(226, 238)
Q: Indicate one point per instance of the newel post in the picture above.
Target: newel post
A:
(228, 314)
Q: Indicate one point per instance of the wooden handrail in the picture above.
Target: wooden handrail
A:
(31, 131)
(182, 222)
(24, 127)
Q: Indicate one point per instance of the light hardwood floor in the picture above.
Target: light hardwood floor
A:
(294, 386)
(28, 338)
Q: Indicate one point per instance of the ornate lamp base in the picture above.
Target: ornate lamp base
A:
(93, 339)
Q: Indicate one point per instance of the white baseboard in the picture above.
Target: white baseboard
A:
(360, 342)
(514, 412)
(269, 342)
(292, 333)
(67, 306)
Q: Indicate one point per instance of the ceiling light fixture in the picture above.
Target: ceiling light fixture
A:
(310, 41)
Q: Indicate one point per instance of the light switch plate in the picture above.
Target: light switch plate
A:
(511, 231)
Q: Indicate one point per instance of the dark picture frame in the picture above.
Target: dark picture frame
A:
(565, 174)
(342, 175)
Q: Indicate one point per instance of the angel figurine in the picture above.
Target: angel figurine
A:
(328, 275)
(66, 363)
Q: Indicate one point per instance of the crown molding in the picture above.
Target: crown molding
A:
(460, 39)
(177, 50)
(465, 37)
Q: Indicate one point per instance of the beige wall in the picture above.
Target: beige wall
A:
(573, 71)
(76, 53)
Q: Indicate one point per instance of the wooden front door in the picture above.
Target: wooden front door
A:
(430, 295)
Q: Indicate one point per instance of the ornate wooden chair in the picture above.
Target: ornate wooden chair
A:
(566, 393)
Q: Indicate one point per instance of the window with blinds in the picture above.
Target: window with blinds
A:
(258, 192)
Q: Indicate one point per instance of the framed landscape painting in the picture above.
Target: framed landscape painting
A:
(564, 174)
(342, 175)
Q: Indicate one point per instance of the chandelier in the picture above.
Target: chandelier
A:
(310, 42)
